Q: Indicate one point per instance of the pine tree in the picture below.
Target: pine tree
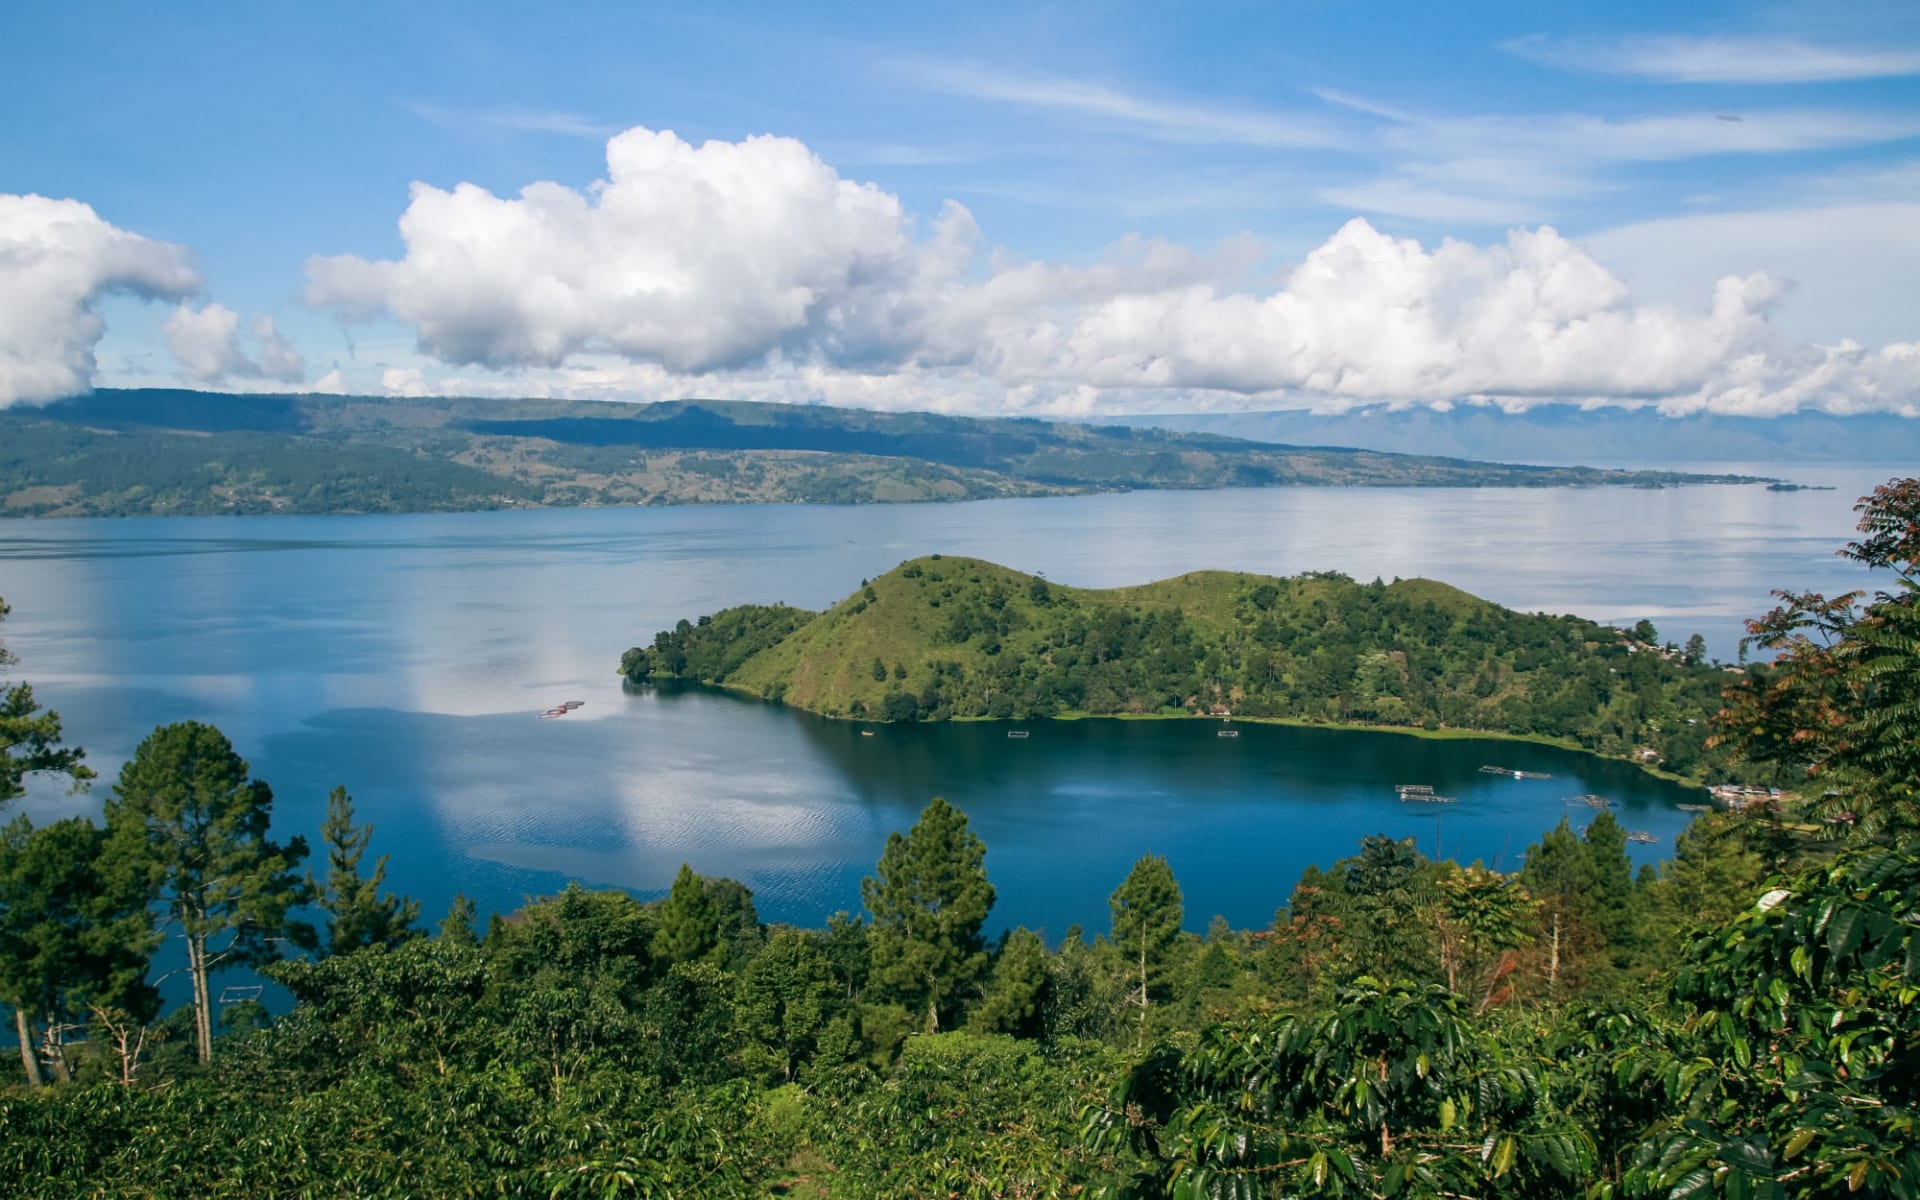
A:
(71, 935)
(189, 824)
(357, 914)
(459, 927)
(929, 898)
(1015, 997)
(1147, 911)
(30, 738)
(689, 928)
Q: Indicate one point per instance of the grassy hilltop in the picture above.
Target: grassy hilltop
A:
(942, 638)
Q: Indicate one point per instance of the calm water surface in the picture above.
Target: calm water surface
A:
(405, 657)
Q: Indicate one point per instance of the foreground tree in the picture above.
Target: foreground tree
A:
(357, 914)
(1800, 1070)
(189, 824)
(1394, 1092)
(929, 898)
(1842, 701)
(1147, 911)
(30, 737)
(71, 937)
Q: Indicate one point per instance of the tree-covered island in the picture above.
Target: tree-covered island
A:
(941, 638)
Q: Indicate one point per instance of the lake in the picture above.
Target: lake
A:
(405, 657)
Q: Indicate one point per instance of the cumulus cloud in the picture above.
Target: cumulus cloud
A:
(57, 259)
(697, 257)
(206, 342)
(753, 268)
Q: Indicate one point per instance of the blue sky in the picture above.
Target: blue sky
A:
(1157, 202)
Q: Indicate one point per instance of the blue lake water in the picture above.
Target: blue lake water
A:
(405, 657)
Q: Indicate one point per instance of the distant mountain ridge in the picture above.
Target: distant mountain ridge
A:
(158, 451)
(1560, 433)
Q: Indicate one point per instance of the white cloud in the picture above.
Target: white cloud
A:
(518, 120)
(754, 270)
(1168, 119)
(698, 257)
(405, 381)
(1718, 59)
(206, 342)
(1667, 137)
(57, 259)
(1852, 264)
(1500, 169)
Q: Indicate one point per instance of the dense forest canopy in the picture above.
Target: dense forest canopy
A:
(1743, 1022)
(156, 450)
(942, 637)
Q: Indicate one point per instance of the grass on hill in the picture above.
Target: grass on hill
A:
(941, 638)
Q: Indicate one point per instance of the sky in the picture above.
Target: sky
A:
(1052, 209)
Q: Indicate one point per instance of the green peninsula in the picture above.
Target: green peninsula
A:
(942, 638)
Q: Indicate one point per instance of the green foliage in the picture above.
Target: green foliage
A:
(966, 1115)
(1483, 917)
(357, 914)
(1806, 1036)
(789, 997)
(689, 929)
(1394, 1091)
(1146, 924)
(715, 648)
(1016, 994)
(1843, 705)
(929, 898)
(72, 936)
(30, 738)
(189, 825)
(991, 642)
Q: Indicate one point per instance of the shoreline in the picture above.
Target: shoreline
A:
(1444, 734)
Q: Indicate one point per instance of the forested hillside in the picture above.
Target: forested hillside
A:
(141, 451)
(939, 638)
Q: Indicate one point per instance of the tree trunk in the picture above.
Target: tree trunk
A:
(1143, 989)
(202, 1005)
(1553, 962)
(28, 1058)
(55, 1050)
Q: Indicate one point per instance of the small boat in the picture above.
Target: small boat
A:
(1016, 733)
(1641, 836)
(573, 704)
(1228, 733)
(866, 733)
(551, 713)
